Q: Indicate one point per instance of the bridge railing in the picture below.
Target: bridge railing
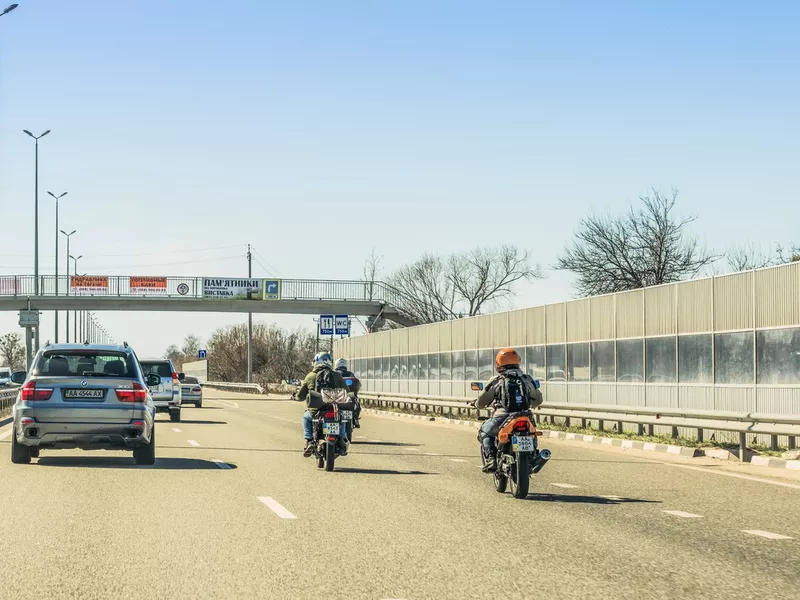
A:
(644, 417)
(192, 287)
(8, 396)
(246, 388)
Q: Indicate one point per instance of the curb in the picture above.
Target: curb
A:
(760, 461)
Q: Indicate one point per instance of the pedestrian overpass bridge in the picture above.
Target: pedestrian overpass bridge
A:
(203, 294)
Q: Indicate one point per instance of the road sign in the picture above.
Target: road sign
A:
(326, 324)
(201, 354)
(272, 289)
(342, 325)
(29, 318)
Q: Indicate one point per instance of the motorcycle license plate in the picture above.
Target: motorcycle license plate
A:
(330, 428)
(347, 415)
(522, 444)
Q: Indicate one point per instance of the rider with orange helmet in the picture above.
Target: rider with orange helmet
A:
(507, 363)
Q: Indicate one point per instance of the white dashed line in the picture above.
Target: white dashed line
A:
(193, 443)
(275, 507)
(221, 464)
(612, 497)
(5, 434)
(412, 449)
(361, 437)
(680, 513)
(176, 430)
(568, 486)
(457, 460)
(767, 534)
(793, 486)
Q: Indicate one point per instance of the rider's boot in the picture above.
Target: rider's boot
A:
(309, 450)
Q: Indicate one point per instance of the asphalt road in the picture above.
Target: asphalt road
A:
(232, 510)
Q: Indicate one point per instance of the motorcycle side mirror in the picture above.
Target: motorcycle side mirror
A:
(477, 386)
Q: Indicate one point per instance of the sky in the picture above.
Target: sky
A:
(316, 131)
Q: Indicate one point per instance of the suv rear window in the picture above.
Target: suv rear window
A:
(84, 363)
(162, 369)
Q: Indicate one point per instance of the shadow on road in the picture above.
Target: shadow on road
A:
(162, 464)
(380, 471)
(586, 499)
(5, 421)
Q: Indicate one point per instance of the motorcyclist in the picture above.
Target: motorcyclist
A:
(355, 387)
(322, 361)
(507, 363)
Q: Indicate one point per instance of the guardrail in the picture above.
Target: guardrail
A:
(7, 398)
(701, 420)
(250, 388)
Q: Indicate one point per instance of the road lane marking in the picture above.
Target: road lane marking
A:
(680, 513)
(193, 443)
(176, 430)
(431, 454)
(736, 475)
(276, 507)
(361, 437)
(5, 434)
(767, 534)
(221, 464)
(567, 486)
(458, 460)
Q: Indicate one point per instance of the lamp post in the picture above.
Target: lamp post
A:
(8, 9)
(36, 139)
(75, 312)
(57, 198)
(68, 235)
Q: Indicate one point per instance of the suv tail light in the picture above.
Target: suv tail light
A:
(174, 378)
(31, 393)
(137, 394)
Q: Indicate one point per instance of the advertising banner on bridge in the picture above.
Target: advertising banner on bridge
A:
(149, 286)
(232, 289)
(88, 284)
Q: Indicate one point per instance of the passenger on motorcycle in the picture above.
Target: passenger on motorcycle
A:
(321, 373)
(341, 366)
(507, 362)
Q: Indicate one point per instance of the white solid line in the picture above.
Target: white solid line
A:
(680, 513)
(736, 475)
(222, 464)
(767, 534)
(458, 460)
(412, 449)
(612, 497)
(193, 443)
(431, 454)
(568, 486)
(176, 430)
(275, 507)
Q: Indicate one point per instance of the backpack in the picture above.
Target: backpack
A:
(327, 388)
(514, 394)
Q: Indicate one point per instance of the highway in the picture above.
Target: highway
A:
(232, 510)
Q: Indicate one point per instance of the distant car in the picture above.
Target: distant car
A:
(167, 393)
(85, 396)
(191, 391)
(5, 375)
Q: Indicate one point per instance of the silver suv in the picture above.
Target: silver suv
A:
(167, 392)
(86, 396)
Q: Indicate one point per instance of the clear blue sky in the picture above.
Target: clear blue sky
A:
(319, 130)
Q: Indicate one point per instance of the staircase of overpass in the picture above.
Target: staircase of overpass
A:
(374, 299)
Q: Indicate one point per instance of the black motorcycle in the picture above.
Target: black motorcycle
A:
(330, 428)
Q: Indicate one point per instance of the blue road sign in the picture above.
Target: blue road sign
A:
(272, 289)
(326, 324)
(342, 325)
(201, 354)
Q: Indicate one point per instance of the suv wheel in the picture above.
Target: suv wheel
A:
(175, 415)
(146, 455)
(20, 455)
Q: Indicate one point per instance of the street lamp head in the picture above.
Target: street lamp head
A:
(70, 233)
(29, 133)
(45, 133)
(8, 9)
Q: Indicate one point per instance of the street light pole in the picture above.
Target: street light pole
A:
(75, 312)
(57, 198)
(68, 235)
(36, 221)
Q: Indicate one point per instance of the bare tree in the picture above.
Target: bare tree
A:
(12, 351)
(745, 258)
(439, 289)
(372, 271)
(191, 346)
(645, 247)
(484, 275)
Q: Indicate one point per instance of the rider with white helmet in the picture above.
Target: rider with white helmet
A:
(321, 375)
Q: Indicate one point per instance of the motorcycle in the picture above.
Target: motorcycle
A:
(329, 425)
(518, 455)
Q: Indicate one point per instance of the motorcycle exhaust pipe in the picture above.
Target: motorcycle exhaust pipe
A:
(541, 460)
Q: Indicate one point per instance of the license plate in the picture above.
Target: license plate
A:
(330, 428)
(93, 394)
(522, 444)
(347, 415)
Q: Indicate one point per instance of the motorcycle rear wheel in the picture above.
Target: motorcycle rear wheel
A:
(330, 456)
(521, 475)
